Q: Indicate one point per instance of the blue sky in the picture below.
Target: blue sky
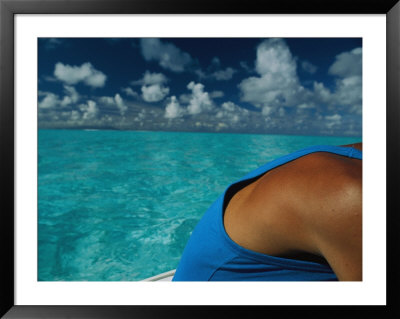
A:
(305, 86)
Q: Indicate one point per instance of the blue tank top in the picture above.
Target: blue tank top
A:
(211, 255)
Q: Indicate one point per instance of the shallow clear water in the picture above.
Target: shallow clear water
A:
(120, 205)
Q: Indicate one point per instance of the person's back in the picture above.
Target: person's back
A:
(296, 218)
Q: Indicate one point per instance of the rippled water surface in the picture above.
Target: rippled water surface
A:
(120, 205)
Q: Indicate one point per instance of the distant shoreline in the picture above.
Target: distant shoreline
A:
(202, 132)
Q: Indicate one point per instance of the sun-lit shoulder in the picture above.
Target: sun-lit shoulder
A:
(312, 204)
(331, 211)
(319, 197)
(313, 180)
(324, 178)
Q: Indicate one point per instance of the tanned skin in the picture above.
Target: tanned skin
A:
(310, 209)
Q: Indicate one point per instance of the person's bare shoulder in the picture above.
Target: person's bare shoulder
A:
(319, 200)
(334, 219)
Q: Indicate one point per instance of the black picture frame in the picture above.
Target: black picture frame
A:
(8, 10)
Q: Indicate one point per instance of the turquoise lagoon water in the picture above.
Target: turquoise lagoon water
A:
(120, 205)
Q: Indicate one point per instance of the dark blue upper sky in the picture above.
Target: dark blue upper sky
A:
(282, 86)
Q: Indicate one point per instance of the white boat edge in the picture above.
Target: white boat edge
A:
(165, 276)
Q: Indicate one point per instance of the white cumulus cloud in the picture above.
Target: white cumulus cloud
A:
(85, 73)
(277, 87)
(154, 78)
(347, 64)
(197, 102)
(166, 54)
(49, 101)
(52, 101)
(349, 91)
(232, 113)
(150, 78)
(173, 109)
(321, 93)
(115, 101)
(200, 101)
(89, 110)
(277, 83)
(153, 86)
(154, 93)
(71, 97)
(120, 104)
(348, 70)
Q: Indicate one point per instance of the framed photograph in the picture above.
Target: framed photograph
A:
(123, 121)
